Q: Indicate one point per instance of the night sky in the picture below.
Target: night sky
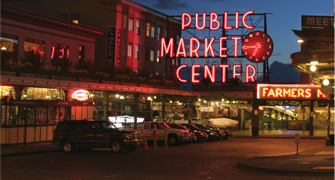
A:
(286, 15)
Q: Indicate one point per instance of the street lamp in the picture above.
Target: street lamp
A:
(314, 62)
(325, 82)
(312, 68)
(300, 41)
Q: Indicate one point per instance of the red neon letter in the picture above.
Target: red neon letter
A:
(271, 92)
(308, 92)
(279, 92)
(236, 38)
(294, 90)
(224, 67)
(209, 46)
(222, 48)
(234, 70)
(208, 73)
(214, 19)
(264, 92)
(300, 92)
(321, 94)
(181, 45)
(193, 73)
(195, 51)
(177, 73)
(183, 25)
(252, 76)
(243, 20)
(203, 21)
(287, 92)
(62, 51)
(166, 49)
(237, 16)
(225, 22)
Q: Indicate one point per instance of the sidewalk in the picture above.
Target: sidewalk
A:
(36, 148)
(313, 161)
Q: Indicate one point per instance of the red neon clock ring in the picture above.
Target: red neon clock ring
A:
(257, 46)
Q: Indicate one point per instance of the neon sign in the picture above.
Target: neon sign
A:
(290, 91)
(256, 46)
(81, 95)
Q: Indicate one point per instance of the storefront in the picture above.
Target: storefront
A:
(298, 107)
(29, 121)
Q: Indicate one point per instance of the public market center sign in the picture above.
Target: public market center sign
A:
(257, 46)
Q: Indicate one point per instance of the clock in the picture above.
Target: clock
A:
(257, 46)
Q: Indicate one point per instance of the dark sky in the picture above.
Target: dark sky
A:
(286, 15)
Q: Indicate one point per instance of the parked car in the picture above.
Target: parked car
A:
(199, 135)
(212, 135)
(175, 136)
(226, 133)
(94, 134)
(219, 132)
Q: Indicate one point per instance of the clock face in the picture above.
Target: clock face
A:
(257, 46)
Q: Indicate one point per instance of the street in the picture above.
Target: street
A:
(205, 160)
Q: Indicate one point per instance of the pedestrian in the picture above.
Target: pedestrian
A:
(269, 125)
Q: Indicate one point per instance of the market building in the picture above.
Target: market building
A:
(126, 35)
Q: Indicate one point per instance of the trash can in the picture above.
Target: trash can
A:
(331, 139)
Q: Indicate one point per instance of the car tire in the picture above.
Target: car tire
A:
(117, 146)
(172, 140)
(131, 148)
(68, 146)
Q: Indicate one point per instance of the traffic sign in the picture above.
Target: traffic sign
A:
(297, 138)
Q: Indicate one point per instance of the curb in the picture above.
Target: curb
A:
(30, 153)
(281, 137)
(280, 171)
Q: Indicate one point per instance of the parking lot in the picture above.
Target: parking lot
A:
(205, 160)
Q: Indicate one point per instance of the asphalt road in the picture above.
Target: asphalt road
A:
(207, 160)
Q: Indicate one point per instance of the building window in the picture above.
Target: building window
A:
(148, 30)
(137, 51)
(64, 16)
(81, 52)
(165, 33)
(158, 59)
(137, 27)
(131, 24)
(75, 18)
(124, 48)
(9, 44)
(158, 33)
(34, 45)
(172, 62)
(157, 73)
(130, 50)
(152, 55)
(152, 32)
(136, 71)
(125, 19)
(177, 62)
(147, 51)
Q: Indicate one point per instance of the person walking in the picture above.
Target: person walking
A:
(269, 125)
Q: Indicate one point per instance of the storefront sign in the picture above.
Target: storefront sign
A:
(290, 91)
(317, 21)
(113, 45)
(81, 95)
(257, 46)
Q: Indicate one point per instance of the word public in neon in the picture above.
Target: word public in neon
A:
(81, 95)
(167, 46)
(289, 91)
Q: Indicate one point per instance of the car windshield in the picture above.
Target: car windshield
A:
(108, 125)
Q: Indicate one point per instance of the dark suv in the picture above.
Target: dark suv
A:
(94, 134)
